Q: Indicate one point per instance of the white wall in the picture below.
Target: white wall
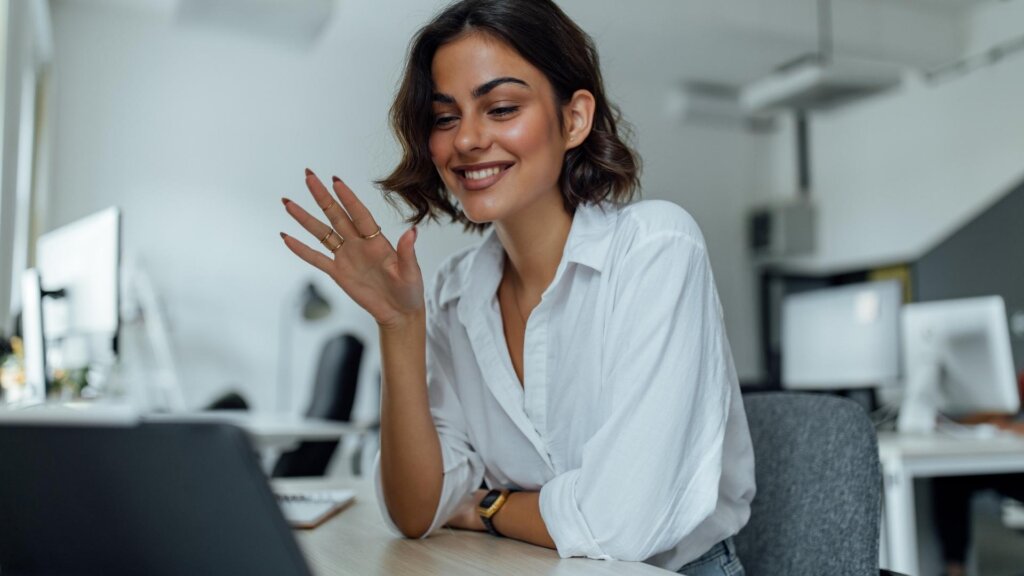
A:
(896, 174)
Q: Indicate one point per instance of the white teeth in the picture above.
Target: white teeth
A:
(481, 174)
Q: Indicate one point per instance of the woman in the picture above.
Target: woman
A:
(575, 361)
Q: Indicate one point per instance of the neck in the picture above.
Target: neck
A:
(534, 241)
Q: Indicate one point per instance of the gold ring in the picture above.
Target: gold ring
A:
(374, 235)
(341, 241)
(328, 206)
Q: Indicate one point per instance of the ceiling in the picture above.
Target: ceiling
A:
(731, 42)
(739, 41)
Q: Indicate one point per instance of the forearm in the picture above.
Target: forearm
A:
(411, 466)
(520, 519)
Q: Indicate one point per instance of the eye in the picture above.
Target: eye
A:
(444, 121)
(504, 111)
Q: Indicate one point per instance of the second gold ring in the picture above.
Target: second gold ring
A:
(369, 236)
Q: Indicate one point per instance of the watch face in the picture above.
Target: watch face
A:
(490, 498)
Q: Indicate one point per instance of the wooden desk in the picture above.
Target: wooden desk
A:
(356, 542)
(906, 457)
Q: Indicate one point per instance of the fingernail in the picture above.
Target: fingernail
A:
(335, 178)
(309, 172)
(283, 235)
(415, 233)
(286, 202)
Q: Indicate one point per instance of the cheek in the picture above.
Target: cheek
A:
(438, 149)
(535, 136)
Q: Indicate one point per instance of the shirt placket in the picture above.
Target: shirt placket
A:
(535, 370)
(483, 327)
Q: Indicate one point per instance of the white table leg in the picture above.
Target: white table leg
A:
(900, 528)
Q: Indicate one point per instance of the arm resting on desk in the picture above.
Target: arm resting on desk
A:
(519, 518)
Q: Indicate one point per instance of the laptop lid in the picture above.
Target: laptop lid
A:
(146, 498)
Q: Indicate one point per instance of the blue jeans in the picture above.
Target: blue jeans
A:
(720, 560)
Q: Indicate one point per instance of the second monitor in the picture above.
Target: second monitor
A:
(957, 361)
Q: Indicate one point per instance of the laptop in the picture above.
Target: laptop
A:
(154, 498)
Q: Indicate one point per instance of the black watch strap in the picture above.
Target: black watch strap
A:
(490, 526)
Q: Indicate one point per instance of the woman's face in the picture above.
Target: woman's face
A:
(496, 140)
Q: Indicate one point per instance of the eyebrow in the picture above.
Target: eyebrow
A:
(480, 90)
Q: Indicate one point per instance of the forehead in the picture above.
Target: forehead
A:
(474, 59)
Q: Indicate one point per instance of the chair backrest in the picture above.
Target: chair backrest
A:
(334, 393)
(818, 503)
(337, 375)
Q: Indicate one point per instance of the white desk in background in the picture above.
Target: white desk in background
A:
(907, 457)
(356, 543)
(268, 430)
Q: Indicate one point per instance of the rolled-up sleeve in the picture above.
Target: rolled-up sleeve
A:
(650, 474)
(463, 468)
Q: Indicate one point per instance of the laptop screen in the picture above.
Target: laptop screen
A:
(149, 498)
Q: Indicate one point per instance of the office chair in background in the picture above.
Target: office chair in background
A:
(334, 393)
(819, 487)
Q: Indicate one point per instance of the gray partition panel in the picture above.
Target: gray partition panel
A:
(984, 257)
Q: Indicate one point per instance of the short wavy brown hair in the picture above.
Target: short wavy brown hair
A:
(602, 168)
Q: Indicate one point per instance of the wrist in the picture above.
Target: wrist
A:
(402, 322)
(489, 506)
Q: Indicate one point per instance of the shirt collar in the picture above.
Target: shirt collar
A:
(588, 244)
(590, 237)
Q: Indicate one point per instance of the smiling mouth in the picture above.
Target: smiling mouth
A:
(479, 178)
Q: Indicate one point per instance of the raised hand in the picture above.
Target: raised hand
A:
(386, 282)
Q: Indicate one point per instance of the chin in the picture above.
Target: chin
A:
(482, 211)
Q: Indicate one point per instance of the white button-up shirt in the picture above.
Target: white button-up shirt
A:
(629, 420)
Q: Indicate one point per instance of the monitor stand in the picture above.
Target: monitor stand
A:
(919, 409)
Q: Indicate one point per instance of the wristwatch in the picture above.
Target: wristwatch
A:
(489, 506)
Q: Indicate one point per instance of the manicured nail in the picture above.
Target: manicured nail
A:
(309, 172)
(286, 202)
(415, 233)
(335, 178)
(283, 235)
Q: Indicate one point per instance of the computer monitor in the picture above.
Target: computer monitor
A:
(842, 338)
(82, 260)
(957, 360)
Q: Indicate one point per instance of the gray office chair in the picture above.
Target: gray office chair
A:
(818, 504)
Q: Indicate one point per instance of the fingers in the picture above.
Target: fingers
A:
(338, 218)
(322, 232)
(360, 216)
(312, 257)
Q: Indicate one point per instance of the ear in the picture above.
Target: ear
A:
(578, 118)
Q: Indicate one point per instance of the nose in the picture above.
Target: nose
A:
(471, 135)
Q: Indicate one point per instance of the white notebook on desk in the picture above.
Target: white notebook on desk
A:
(310, 508)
